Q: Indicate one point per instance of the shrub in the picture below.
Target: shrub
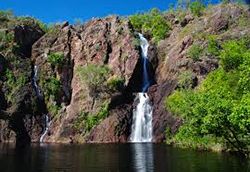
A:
(185, 80)
(213, 46)
(233, 53)
(79, 121)
(86, 121)
(194, 52)
(218, 110)
(6, 40)
(27, 20)
(152, 22)
(56, 59)
(52, 87)
(10, 78)
(115, 83)
(93, 75)
(196, 8)
(53, 108)
(93, 120)
(5, 15)
(14, 82)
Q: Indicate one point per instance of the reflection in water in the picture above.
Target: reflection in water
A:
(139, 157)
(143, 157)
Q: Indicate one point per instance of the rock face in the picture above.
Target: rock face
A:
(105, 41)
(76, 112)
(18, 101)
(173, 58)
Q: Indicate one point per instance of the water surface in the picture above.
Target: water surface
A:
(116, 158)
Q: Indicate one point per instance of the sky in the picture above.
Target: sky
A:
(50, 11)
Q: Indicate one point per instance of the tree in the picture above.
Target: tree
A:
(220, 107)
(93, 76)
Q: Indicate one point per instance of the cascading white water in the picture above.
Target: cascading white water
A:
(40, 97)
(34, 80)
(144, 53)
(47, 124)
(142, 114)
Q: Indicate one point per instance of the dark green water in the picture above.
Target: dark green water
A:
(116, 158)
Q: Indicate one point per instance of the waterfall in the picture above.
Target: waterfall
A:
(142, 114)
(47, 124)
(40, 97)
(34, 83)
(144, 55)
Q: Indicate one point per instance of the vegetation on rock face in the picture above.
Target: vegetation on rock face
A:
(56, 59)
(195, 52)
(115, 83)
(93, 76)
(197, 8)
(185, 80)
(213, 46)
(86, 121)
(152, 22)
(218, 111)
(52, 86)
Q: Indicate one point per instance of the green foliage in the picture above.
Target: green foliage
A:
(6, 40)
(86, 121)
(185, 80)
(9, 77)
(53, 109)
(187, 137)
(194, 52)
(213, 46)
(115, 83)
(219, 110)
(152, 22)
(53, 29)
(197, 8)
(14, 82)
(5, 15)
(93, 75)
(51, 87)
(56, 59)
(80, 121)
(27, 20)
(183, 4)
(233, 54)
(225, 1)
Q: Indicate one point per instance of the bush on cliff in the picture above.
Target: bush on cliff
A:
(93, 76)
(152, 22)
(196, 8)
(195, 52)
(219, 108)
(213, 46)
(115, 83)
(86, 121)
(56, 59)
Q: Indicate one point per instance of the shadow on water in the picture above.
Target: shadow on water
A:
(137, 157)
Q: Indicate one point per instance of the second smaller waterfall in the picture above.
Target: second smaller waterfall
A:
(34, 83)
(39, 94)
(46, 129)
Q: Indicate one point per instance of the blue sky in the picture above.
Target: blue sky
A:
(60, 10)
